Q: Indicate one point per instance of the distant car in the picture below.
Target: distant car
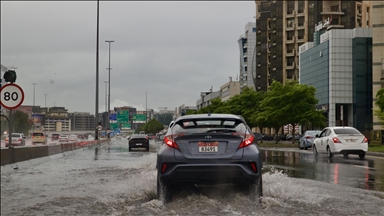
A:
(289, 137)
(307, 139)
(72, 137)
(142, 132)
(63, 138)
(17, 140)
(138, 141)
(39, 137)
(281, 137)
(258, 136)
(151, 136)
(204, 149)
(340, 140)
(268, 137)
(55, 137)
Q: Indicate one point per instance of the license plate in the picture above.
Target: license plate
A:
(208, 146)
(139, 144)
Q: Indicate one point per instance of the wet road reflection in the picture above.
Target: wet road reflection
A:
(365, 174)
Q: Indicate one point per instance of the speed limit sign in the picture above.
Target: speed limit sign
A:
(12, 96)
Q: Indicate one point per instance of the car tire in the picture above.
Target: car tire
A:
(256, 190)
(361, 155)
(314, 151)
(329, 153)
(300, 145)
(163, 191)
(129, 149)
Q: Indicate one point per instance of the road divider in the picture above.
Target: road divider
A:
(26, 155)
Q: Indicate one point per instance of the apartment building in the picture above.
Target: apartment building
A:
(82, 121)
(283, 26)
(229, 89)
(247, 44)
(378, 53)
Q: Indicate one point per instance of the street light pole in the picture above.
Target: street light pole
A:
(109, 82)
(33, 119)
(146, 110)
(45, 99)
(97, 76)
(106, 100)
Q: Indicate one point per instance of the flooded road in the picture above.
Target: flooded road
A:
(353, 172)
(118, 182)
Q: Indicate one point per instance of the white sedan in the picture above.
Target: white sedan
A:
(340, 140)
(72, 137)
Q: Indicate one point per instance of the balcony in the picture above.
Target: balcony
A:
(300, 26)
(258, 31)
(332, 11)
(300, 12)
(290, 14)
(290, 40)
(290, 66)
(290, 27)
(258, 42)
(290, 53)
(300, 39)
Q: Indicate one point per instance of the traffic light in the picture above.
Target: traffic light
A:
(10, 76)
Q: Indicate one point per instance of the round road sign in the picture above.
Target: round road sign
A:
(12, 96)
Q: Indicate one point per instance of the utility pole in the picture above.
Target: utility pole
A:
(97, 76)
(45, 100)
(33, 118)
(146, 110)
(109, 83)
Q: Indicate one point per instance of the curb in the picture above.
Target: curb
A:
(292, 149)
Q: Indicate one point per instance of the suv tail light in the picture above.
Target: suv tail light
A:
(170, 142)
(308, 137)
(365, 140)
(247, 140)
(19, 140)
(336, 140)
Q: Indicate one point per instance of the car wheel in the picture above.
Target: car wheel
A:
(256, 190)
(345, 155)
(361, 155)
(314, 150)
(329, 153)
(163, 191)
(129, 149)
(300, 145)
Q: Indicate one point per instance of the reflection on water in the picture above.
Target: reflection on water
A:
(366, 174)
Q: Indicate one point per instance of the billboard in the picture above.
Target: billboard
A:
(139, 118)
(38, 119)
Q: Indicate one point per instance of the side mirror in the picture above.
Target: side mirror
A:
(317, 135)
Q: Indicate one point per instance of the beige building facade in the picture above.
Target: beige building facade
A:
(377, 54)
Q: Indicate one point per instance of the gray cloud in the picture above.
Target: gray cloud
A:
(171, 50)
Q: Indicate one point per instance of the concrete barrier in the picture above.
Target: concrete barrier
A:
(23, 156)
(27, 153)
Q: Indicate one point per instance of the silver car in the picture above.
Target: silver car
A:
(307, 139)
(206, 149)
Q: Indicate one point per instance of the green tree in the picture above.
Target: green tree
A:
(379, 112)
(292, 103)
(20, 122)
(152, 126)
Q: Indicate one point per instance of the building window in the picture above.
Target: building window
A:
(253, 29)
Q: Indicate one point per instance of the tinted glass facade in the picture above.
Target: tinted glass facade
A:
(362, 83)
(314, 70)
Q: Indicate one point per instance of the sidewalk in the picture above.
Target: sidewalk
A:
(309, 151)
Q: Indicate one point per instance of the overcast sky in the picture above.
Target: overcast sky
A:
(171, 50)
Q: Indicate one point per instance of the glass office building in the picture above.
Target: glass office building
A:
(340, 68)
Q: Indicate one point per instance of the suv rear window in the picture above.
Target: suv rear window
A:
(38, 134)
(189, 126)
(16, 135)
(346, 131)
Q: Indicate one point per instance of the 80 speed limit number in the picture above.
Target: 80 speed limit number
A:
(12, 96)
